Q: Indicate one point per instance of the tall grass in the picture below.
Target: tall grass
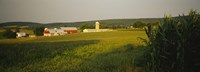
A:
(174, 46)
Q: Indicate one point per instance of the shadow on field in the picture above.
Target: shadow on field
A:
(23, 54)
(122, 59)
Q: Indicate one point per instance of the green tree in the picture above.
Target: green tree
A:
(139, 24)
(39, 31)
(8, 33)
(104, 26)
(90, 26)
(17, 29)
(82, 27)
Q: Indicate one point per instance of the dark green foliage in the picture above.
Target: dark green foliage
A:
(109, 22)
(139, 24)
(154, 24)
(82, 27)
(1, 35)
(104, 26)
(19, 24)
(175, 47)
(86, 26)
(9, 34)
(17, 29)
(39, 31)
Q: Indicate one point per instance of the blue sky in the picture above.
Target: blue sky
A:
(48, 11)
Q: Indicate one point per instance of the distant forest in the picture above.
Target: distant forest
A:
(106, 23)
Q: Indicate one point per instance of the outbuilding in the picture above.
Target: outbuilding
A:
(21, 34)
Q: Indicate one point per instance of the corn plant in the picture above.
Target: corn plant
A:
(175, 46)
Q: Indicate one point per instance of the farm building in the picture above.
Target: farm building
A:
(97, 29)
(69, 30)
(21, 34)
(61, 31)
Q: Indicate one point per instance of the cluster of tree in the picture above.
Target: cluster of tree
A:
(119, 27)
(86, 26)
(8, 33)
(102, 26)
(12, 33)
(139, 24)
(39, 31)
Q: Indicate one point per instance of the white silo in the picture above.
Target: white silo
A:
(97, 25)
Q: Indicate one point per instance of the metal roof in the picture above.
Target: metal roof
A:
(68, 28)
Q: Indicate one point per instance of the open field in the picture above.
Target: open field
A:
(95, 52)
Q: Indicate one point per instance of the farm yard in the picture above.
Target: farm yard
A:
(171, 45)
(116, 51)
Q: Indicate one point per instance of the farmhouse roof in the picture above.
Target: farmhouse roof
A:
(52, 31)
(68, 28)
(21, 33)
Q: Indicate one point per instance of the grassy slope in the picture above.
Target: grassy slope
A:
(104, 51)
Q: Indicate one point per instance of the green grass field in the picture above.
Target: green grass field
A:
(116, 51)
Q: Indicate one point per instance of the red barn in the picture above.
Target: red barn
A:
(69, 30)
(61, 31)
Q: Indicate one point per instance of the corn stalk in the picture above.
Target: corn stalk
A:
(174, 43)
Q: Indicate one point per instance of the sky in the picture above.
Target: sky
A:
(49, 11)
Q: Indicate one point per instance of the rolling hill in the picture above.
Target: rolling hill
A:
(76, 24)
